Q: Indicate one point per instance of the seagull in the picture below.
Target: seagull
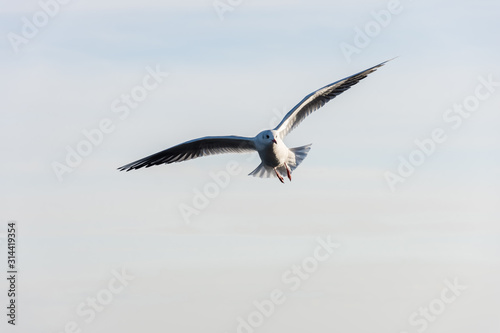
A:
(277, 160)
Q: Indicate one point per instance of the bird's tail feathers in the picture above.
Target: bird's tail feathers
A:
(295, 157)
(263, 171)
(298, 154)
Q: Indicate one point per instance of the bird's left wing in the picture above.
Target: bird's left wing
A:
(209, 145)
(317, 99)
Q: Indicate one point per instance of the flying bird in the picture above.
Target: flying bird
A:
(277, 160)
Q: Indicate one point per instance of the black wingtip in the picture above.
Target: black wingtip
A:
(383, 63)
(374, 68)
(124, 168)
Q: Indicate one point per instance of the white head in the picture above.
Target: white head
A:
(267, 137)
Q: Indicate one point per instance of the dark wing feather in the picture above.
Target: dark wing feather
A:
(209, 145)
(318, 98)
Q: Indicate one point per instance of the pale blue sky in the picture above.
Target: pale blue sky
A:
(233, 77)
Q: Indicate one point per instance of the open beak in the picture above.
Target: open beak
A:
(274, 140)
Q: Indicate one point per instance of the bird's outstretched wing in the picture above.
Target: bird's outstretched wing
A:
(209, 145)
(317, 99)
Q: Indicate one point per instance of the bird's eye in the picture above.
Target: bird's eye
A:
(267, 136)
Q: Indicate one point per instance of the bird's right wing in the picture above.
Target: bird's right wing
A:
(209, 145)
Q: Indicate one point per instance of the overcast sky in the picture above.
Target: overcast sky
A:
(140, 76)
